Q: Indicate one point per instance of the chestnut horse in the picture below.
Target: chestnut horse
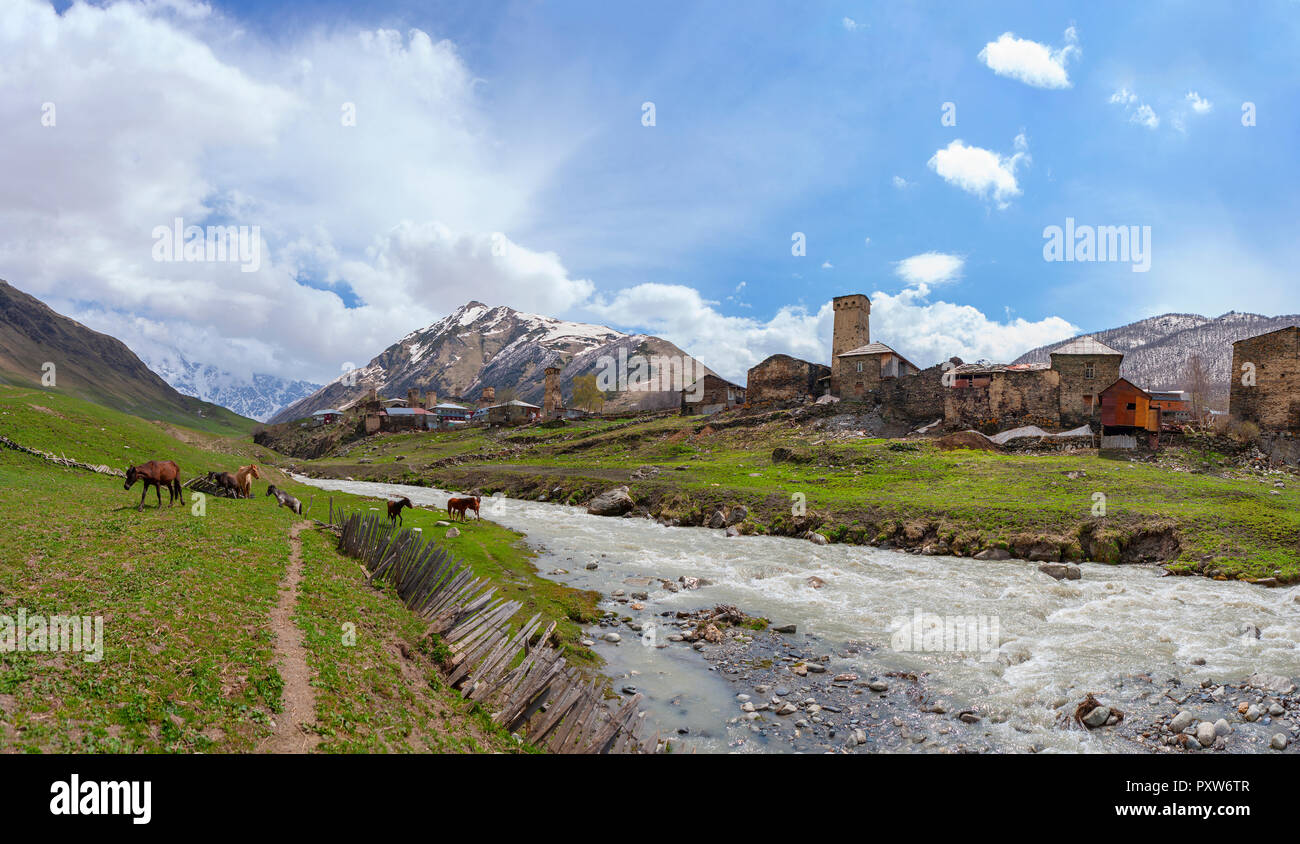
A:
(245, 485)
(460, 505)
(156, 473)
(395, 509)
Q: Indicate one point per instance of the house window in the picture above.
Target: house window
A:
(1089, 370)
(859, 366)
(1131, 406)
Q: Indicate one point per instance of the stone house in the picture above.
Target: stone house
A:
(711, 396)
(1265, 385)
(782, 378)
(1086, 367)
(999, 396)
(863, 368)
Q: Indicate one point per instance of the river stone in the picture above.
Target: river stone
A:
(1278, 742)
(1221, 727)
(1205, 733)
(1097, 717)
(1252, 713)
(787, 709)
(718, 519)
(615, 502)
(1276, 710)
(1061, 571)
(993, 554)
(878, 686)
(784, 628)
(737, 514)
(818, 539)
(1181, 721)
(612, 637)
(732, 530)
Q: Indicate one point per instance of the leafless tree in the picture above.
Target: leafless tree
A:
(1197, 379)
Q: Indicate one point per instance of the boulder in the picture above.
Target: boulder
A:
(615, 502)
(993, 554)
(1061, 571)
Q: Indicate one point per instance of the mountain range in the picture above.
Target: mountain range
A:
(479, 346)
(1157, 350)
(35, 340)
(258, 396)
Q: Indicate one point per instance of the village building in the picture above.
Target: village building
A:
(852, 330)
(1265, 381)
(782, 378)
(988, 396)
(863, 368)
(513, 412)
(450, 415)
(1128, 416)
(1086, 367)
(553, 402)
(711, 394)
(326, 417)
(1174, 405)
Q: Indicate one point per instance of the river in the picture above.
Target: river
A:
(1053, 640)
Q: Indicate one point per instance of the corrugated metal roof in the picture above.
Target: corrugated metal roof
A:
(1086, 346)
(325, 412)
(406, 411)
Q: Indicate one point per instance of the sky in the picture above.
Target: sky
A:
(709, 172)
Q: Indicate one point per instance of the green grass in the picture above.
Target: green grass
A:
(188, 663)
(1229, 523)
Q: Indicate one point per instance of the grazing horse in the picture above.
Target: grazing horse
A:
(226, 481)
(284, 499)
(395, 509)
(460, 505)
(245, 485)
(156, 473)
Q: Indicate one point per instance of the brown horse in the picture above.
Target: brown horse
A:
(225, 481)
(460, 505)
(245, 485)
(395, 509)
(156, 473)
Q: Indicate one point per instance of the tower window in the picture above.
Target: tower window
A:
(1090, 370)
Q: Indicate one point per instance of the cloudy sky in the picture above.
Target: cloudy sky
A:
(401, 158)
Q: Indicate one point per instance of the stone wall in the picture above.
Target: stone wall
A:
(783, 378)
(1011, 399)
(916, 399)
(1273, 403)
(1076, 388)
(854, 384)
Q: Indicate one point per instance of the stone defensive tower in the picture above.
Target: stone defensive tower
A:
(852, 330)
(554, 402)
(488, 397)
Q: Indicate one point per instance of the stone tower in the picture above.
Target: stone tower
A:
(852, 330)
(413, 397)
(488, 397)
(554, 402)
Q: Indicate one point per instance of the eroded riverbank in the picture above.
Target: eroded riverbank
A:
(1122, 632)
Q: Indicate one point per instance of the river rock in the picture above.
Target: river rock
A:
(816, 582)
(1097, 717)
(737, 514)
(878, 686)
(787, 709)
(615, 502)
(1270, 683)
(993, 554)
(1061, 571)
(1181, 721)
(732, 530)
(1252, 713)
(718, 519)
(612, 637)
(817, 538)
(1278, 742)
(1276, 710)
(1205, 734)
(784, 628)
(1221, 727)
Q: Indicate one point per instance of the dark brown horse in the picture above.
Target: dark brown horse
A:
(225, 481)
(395, 509)
(460, 505)
(158, 474)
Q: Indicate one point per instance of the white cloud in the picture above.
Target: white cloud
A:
(1138, 112)
(850, 24)
(930, 268)
(165, 109)
(1199, 104)
(925, 332)
(901, 183)
(827, 265)
(1030, 62)
(981, 171)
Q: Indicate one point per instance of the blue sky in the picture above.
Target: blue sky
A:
(770, 119)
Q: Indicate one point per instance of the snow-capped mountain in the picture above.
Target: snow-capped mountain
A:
(257, 396)
(1156, 350)
(477, 347)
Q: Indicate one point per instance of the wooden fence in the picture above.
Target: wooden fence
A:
(60, 460)
(538, 695)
